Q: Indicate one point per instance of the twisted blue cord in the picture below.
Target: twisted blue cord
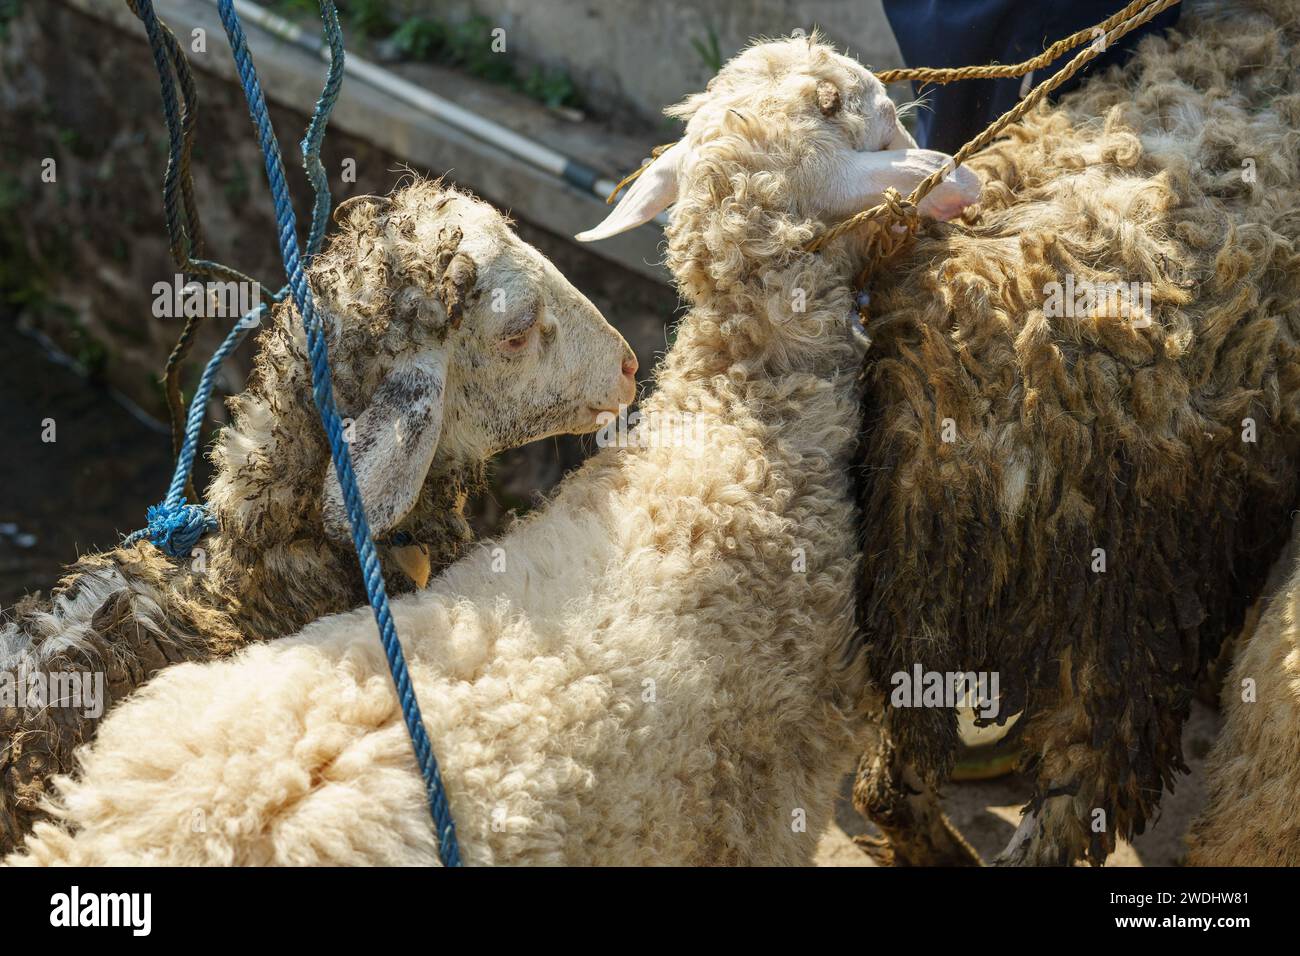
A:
(174, 136)
(311, 142)
(174, 526)
(184, 245)
(323, 395)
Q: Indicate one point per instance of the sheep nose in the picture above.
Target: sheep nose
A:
(627, 384)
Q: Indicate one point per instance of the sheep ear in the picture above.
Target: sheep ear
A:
(650, 194)
(371, 204)
(864, 176)
(392, 444)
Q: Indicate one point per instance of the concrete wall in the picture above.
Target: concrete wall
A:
(637, 55)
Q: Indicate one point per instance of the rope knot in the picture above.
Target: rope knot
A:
(897, 217)
(887, 228)
(897, 204)
(176, 529)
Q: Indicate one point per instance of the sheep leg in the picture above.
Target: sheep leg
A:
(1072, 792)
(890, 794)
(1019, 847)
(1043, 837)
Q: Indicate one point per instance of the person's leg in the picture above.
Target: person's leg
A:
(948, 33)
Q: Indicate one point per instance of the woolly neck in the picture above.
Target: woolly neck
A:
(759, 301)
(270, 561)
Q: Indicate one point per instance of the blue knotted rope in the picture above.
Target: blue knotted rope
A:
(177, 528)
(323, 395)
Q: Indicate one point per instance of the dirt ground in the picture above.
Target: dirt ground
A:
(987, 812)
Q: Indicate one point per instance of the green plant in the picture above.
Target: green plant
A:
(421, 38)
(709, 50)
(236, 188)
(290, 7)
(78, 144)
(551, 86)
(371, 18)
(466, 45)
(9, 10)
(469, 46)
(22, 282)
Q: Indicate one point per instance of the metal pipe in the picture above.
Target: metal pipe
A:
(535, 154)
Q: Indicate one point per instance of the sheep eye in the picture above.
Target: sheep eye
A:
(518, 333)
(515, 343)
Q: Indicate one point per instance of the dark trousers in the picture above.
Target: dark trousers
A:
(945, 33)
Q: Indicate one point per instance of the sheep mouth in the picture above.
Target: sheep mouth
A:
(592, 418)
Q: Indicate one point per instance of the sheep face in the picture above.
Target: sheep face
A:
(532, 357)
(450, 335)
(814, 132)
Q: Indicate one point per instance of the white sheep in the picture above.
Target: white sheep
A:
(1253, 771)
(450, 339)
(650, 670)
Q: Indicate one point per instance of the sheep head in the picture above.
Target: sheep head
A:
(451, 337)
(797, 130)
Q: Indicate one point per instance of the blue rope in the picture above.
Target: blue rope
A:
(311, 142)
(323, 394)
(174, 526)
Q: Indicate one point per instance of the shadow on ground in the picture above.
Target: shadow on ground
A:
(986, 812)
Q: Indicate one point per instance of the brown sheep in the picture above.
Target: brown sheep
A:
(1084, 500)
